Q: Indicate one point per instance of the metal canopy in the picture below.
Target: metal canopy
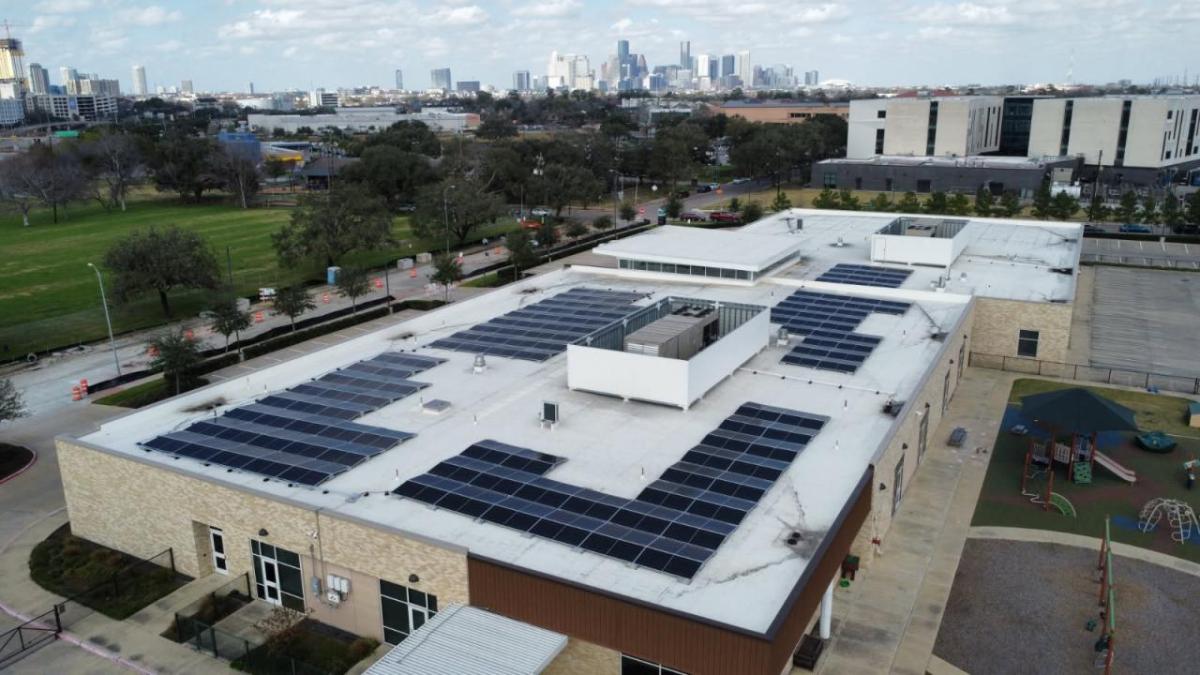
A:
(1077, 411)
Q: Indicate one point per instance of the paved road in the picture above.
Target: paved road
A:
(1141, 253)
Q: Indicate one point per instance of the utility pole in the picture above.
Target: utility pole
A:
(237, 333)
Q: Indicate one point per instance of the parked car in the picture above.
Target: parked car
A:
(725, 217)
(1135, 228)
(542, 211)
(693, 217)
(683, 194)
(703, 188)
(406, 208)
(1089, 228)
(739, 181)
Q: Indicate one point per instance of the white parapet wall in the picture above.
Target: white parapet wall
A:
(656, 379)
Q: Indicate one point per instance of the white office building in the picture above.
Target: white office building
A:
(139, 81)
(943, 127)
(1141, 131)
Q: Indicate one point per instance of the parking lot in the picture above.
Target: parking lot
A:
(1146, 320)
(1141, 253)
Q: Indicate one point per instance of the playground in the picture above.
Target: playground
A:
(1025, 607)
(1080, 460)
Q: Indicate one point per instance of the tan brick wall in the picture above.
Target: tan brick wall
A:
(997, 323)
(142, 509)
(905, 443)
(584, 658)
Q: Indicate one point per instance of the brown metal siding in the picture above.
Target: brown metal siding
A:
(685, 642)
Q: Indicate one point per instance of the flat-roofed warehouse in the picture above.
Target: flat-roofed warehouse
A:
(512, 452)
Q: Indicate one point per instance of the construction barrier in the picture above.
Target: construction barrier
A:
(76, 394)
(325, 298)
(258, 317)
(378, 282)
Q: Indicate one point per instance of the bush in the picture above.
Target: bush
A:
(576, 229)
(602, 223)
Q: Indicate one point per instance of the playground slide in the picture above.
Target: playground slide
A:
(1111, 464)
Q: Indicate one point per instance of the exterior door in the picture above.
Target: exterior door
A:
(217, 544)
(269, 575)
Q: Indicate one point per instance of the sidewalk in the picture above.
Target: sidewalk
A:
(130, 644)
(888, 620)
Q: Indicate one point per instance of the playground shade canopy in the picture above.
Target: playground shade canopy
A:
(1077, 411)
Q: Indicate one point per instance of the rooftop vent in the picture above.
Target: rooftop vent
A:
(550, 413)
(893, 407)
(781, 338)
(435, 406)
(480, 364)
(840, 243)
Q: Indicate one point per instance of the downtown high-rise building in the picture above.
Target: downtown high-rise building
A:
(39, 79)
(728, 65)
(439, 78)
(745, 71)
(186, 87)
(68, 76)
(812, 78)
(399, 79)
(685, 54)
(139, 81)
(12, 64)
(521, 80)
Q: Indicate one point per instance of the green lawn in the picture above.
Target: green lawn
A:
(1159, 475)
(49, 297)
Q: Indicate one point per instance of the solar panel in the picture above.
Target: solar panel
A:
(827, 322)
(673, 526)
(865, 275)
(304, 434)
(545, 328)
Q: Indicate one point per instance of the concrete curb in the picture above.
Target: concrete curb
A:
(32, 460)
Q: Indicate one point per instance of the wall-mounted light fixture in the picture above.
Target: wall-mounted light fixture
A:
(412, 578)
(882, 487)
(262, 532)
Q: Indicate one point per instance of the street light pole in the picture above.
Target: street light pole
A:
(446, 215)
(108, 321)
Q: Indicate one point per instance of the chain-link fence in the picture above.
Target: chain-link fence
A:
(1086, 373)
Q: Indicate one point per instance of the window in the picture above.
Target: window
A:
(634, 666)
(277, 575)
(946, 392)
(962, 353)
(404, 610)
(887, 184)
(931, 134)
(858, 182)
(881, 114)
(923, 434)
(924, 185)
(1027, 343)
(830, 179)
(879, 141)
(217, 544)
(898, 483)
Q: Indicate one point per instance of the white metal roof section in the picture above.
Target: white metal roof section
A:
(464, 640)
(739, 250)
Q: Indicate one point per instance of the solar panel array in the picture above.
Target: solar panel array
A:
(304, 435)
(865, 275)
(827, 323)
(543, 329)
(674, 525)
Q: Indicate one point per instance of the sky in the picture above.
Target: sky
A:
(223, 45)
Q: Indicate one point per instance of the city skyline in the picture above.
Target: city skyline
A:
(321, 43)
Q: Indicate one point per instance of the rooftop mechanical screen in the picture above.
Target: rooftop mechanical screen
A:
(674, 525)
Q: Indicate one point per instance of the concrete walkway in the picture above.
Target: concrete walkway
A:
(888, 620)
(1081, 541)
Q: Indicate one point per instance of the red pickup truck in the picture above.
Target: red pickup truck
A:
(724, 217)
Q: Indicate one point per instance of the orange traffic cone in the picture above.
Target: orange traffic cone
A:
(325, 298)
(76, 394)
(412, 274)
(258, 317)
(83, 385)
(378, 282)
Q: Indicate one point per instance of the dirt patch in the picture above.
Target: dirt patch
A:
(1021, 607)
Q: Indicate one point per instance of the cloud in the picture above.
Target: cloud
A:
(64, 6)
(50, 22)
(152, 15)
(965, 14)
(466, 15)
(549, 9)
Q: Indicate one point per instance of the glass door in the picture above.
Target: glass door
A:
(269, 575)
(217, 540)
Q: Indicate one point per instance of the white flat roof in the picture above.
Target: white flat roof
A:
(465, 640)
(730, 249)
(613, 446)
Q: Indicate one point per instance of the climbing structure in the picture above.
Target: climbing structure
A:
(1181, 517)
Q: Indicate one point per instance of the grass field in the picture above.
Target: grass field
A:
(49, 297)
(1159, 475)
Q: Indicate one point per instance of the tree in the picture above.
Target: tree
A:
(292, 301)
(937, 204)
(227, 319)
(674, 205)
(909, 203)
(325, 227)
(1192, 210)
(275, 168)
(455, 208)
(1097, 210)
(880, 203)
(1063, 206)
(958, 205)
(628, 211)
(735, 205)
(237, 173)
(547, 234)
(848, 202)
(177, 355)
(1010, 205)
(353, 283)
(781, 203)
(1149, 213)
(12, 405)
(41, 175)
(602, 222)
(183, 164)
(826, 200)
(1170, 213)
(1043, 201)
(496, 126)
(446, 271)
(1127, 209)
(161, 260)
(12, 187)
(520, 251)
(577, 228)
(393, 174)
(113, 160)
(984, 202)
(751, 212)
